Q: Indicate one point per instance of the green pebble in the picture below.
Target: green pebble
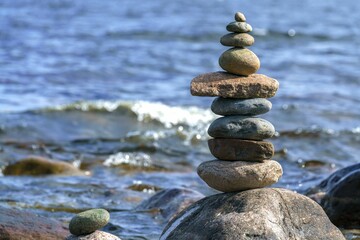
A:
(89, 221)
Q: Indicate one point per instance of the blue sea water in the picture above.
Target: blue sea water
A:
(106, 84)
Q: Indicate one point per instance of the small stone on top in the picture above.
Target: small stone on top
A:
(240, 17)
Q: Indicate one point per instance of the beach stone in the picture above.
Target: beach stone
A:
(97, 235)
(243, 150)
(170, 202)
(248, 128)
(239, 27)
(89, 221)
(339, 195)
(239, 61)
(237, 40)
(228, 85)
(37, 166)
(245, 107)
(262, 214)
(240, 17)
(19, 224)
(234, 176)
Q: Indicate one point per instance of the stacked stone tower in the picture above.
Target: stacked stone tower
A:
(243, 157)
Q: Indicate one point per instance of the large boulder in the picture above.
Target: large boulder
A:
(170, 202)
(16, 224)
(339, 195)
(266, 213)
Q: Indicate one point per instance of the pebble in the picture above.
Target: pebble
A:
(89, 221)
(237, 40)
(246, 107)
(240, 17)
(97, 235)
(240, 61)
(239, 27)
(248, 128)
(233, 176)
(228, 85)
(243, 150)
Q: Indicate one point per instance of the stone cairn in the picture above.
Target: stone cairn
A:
(243, 158)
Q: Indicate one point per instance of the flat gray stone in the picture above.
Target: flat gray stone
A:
(97, 235)
(246, 107)
(89, 221)
(237, 40)
(248, 128)
(235, 176)
(239, 27)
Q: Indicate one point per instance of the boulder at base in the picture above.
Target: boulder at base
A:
(97, 235)
(266, 213)
(339, 195)
(16, 225)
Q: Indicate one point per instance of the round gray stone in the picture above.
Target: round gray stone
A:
(250, 128)
(89, 221)
(240, 17)
(240, 61)
(237, 40)
(246, 107)
(239, 27)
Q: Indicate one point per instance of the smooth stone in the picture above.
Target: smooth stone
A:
(248, 128)
(226, 85)
(170, 202)
(97, 235)
(19, 224)
(240, 17)
(89, 221)
(243, 150)
(239, 61)
(37, 166)
(239, 27)
(339, 195)
(246, 107)
(258, 214)
(235, 176)
(237, 40)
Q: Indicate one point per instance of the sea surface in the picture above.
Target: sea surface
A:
(104, 85)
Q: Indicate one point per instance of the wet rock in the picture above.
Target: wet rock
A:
(170, 202)
(239, 27)
(255, 214)
(37, 166)
(226, 85)
(237, 40)
(240, 17)
(249, 128)
(339, 195)
(245, 107)
(97, 235)
(231, 176)
(239, 61)
(16, 225)
(237, 149)
(89, 221)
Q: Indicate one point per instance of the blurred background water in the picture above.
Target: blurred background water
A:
(105, 85)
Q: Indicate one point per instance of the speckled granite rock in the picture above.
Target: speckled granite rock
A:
(97, 235)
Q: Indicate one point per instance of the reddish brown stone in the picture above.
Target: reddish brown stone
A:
(243, 150)
(222, 84)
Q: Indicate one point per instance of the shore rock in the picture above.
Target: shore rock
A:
(37, 166)
(89, 221)
(249, 128)
(237, 40)
(240, 17)
(339, 195)
(231, 176)
(239, 61)
(243, 150)
(271, 213)
(97, 235)
(239, 27)
(226, 85)
(245, 107)
(171, 202)
(16, 225)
